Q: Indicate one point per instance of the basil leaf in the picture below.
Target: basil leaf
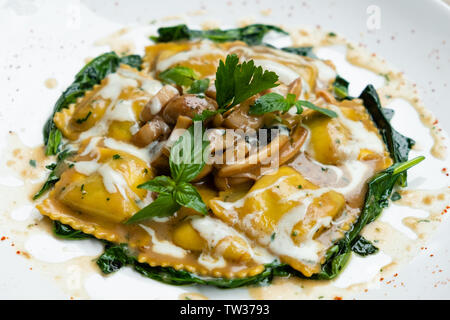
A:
(363, 247)
(164, 206)
(187, 196)
(199, 86)
(160, 184)
(252, 34)
(186, 156)
(182, 76)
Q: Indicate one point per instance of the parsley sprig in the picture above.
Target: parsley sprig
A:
(186, 161)
(276, 102)
(236, 82)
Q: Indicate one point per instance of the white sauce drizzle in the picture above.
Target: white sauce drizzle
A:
(163, 246)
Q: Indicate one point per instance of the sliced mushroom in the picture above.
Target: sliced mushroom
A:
(225, 183)
(158, 102)
(263, 156)
(295, 87)
(292, 148)
(155, 129)
(183, 123)
(187, 105)
(327, 96)
(238, 118)
(205, 171)
(211, 91)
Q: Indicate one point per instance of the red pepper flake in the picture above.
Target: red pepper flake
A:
(17, 252)
(432, 255)
(3, 238)
(381, 279)
(395, 275)
(337, 298)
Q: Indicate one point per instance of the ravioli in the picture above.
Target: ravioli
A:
(111, 108)
(285, 212)
(121, 133)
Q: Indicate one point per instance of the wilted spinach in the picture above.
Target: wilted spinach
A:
(252, 34)
(397, 144)
(55, 173)
(91, 74)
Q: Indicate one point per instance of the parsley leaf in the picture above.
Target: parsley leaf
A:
(237, 82)
(276, 102)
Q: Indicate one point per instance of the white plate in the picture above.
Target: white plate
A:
(50, 39)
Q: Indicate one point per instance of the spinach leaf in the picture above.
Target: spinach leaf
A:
(363, 247)
(65, 231)
(340, 88)
(114, 258)
(133, 60)
(252, 34)
(301, 51)
(56, 171)
(379, 190)
(397, 144)
(85, 79)
(117, 256)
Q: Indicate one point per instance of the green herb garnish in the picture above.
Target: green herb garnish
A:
(237, 82)
(276, 102)
(81, 120)
(175, 192)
